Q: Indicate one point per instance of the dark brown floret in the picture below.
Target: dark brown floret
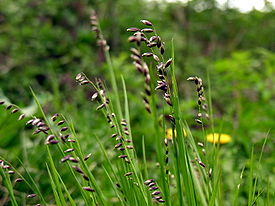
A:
(122, 156)
(22, 116)
(147, 182)
(11, 172)
(31, 195)
(72, 159)
(128, 174)
(89, 189)
(69, 150)
(168, 63)
(156, 193)
(63, 129)
(61, 122)
(18, 180)
(53, 141)
(14, 111)
(146, 22)
(9, 107)
(87, 156)
(202, 164)
(153, 188)
(133, 29)
(118, 145)
(147, 30)
(77, 169)
(54, 117)
(85, 177)
(64, 159)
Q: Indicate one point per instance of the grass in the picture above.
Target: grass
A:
(189, 171)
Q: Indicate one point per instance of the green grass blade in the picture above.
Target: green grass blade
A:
(66, 191)
(55, 193)
(7, 182)
(33, 185)
(54, 176)
(184, 165)
(114, 83)
(250, 178)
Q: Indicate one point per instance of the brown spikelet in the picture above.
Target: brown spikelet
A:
(60, 122)
(87, 156)
(77, 169)
(69, 150)
(54, 117)
(22, 116)
(168, 63)
(14, 111)
(85, 177)
(72, 159)
(89, 189)
(147, 30)
(133, 29)
(18, 180)
(146, 22)
(9, 107)
(202, 164)
(128, 174)
(31, 195)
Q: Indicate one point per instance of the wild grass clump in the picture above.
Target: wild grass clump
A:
(188, 170)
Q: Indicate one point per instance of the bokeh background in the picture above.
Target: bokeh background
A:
(44, 44)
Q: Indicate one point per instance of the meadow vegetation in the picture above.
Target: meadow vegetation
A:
(124, 107)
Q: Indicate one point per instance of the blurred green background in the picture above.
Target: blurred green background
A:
(44, 44)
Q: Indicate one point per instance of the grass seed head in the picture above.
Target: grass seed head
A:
(53, 142)
(122, 156)
(168, 63)
(60, 122)
(94, 96)
(66, 158)
(118, 145)
(85, 177)
(147, 182)
(147, 30)
(202, 164)
(63, 129)
(11, 172)
(18, 180)
(133, 29)
(9, 107)
(200, 144)
(31, 195)
(89, 189)
(77, 169)
(22, 116)
(153, 188)
(14, 111)
(146, 22)
(128, 174)
(69, 150)
(74, 160)
(156, 193)
(87, 156)
(54, 117)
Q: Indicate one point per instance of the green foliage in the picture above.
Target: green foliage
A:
(44, 44)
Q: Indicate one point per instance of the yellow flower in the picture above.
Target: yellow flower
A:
(216, 137)
(169, 133)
